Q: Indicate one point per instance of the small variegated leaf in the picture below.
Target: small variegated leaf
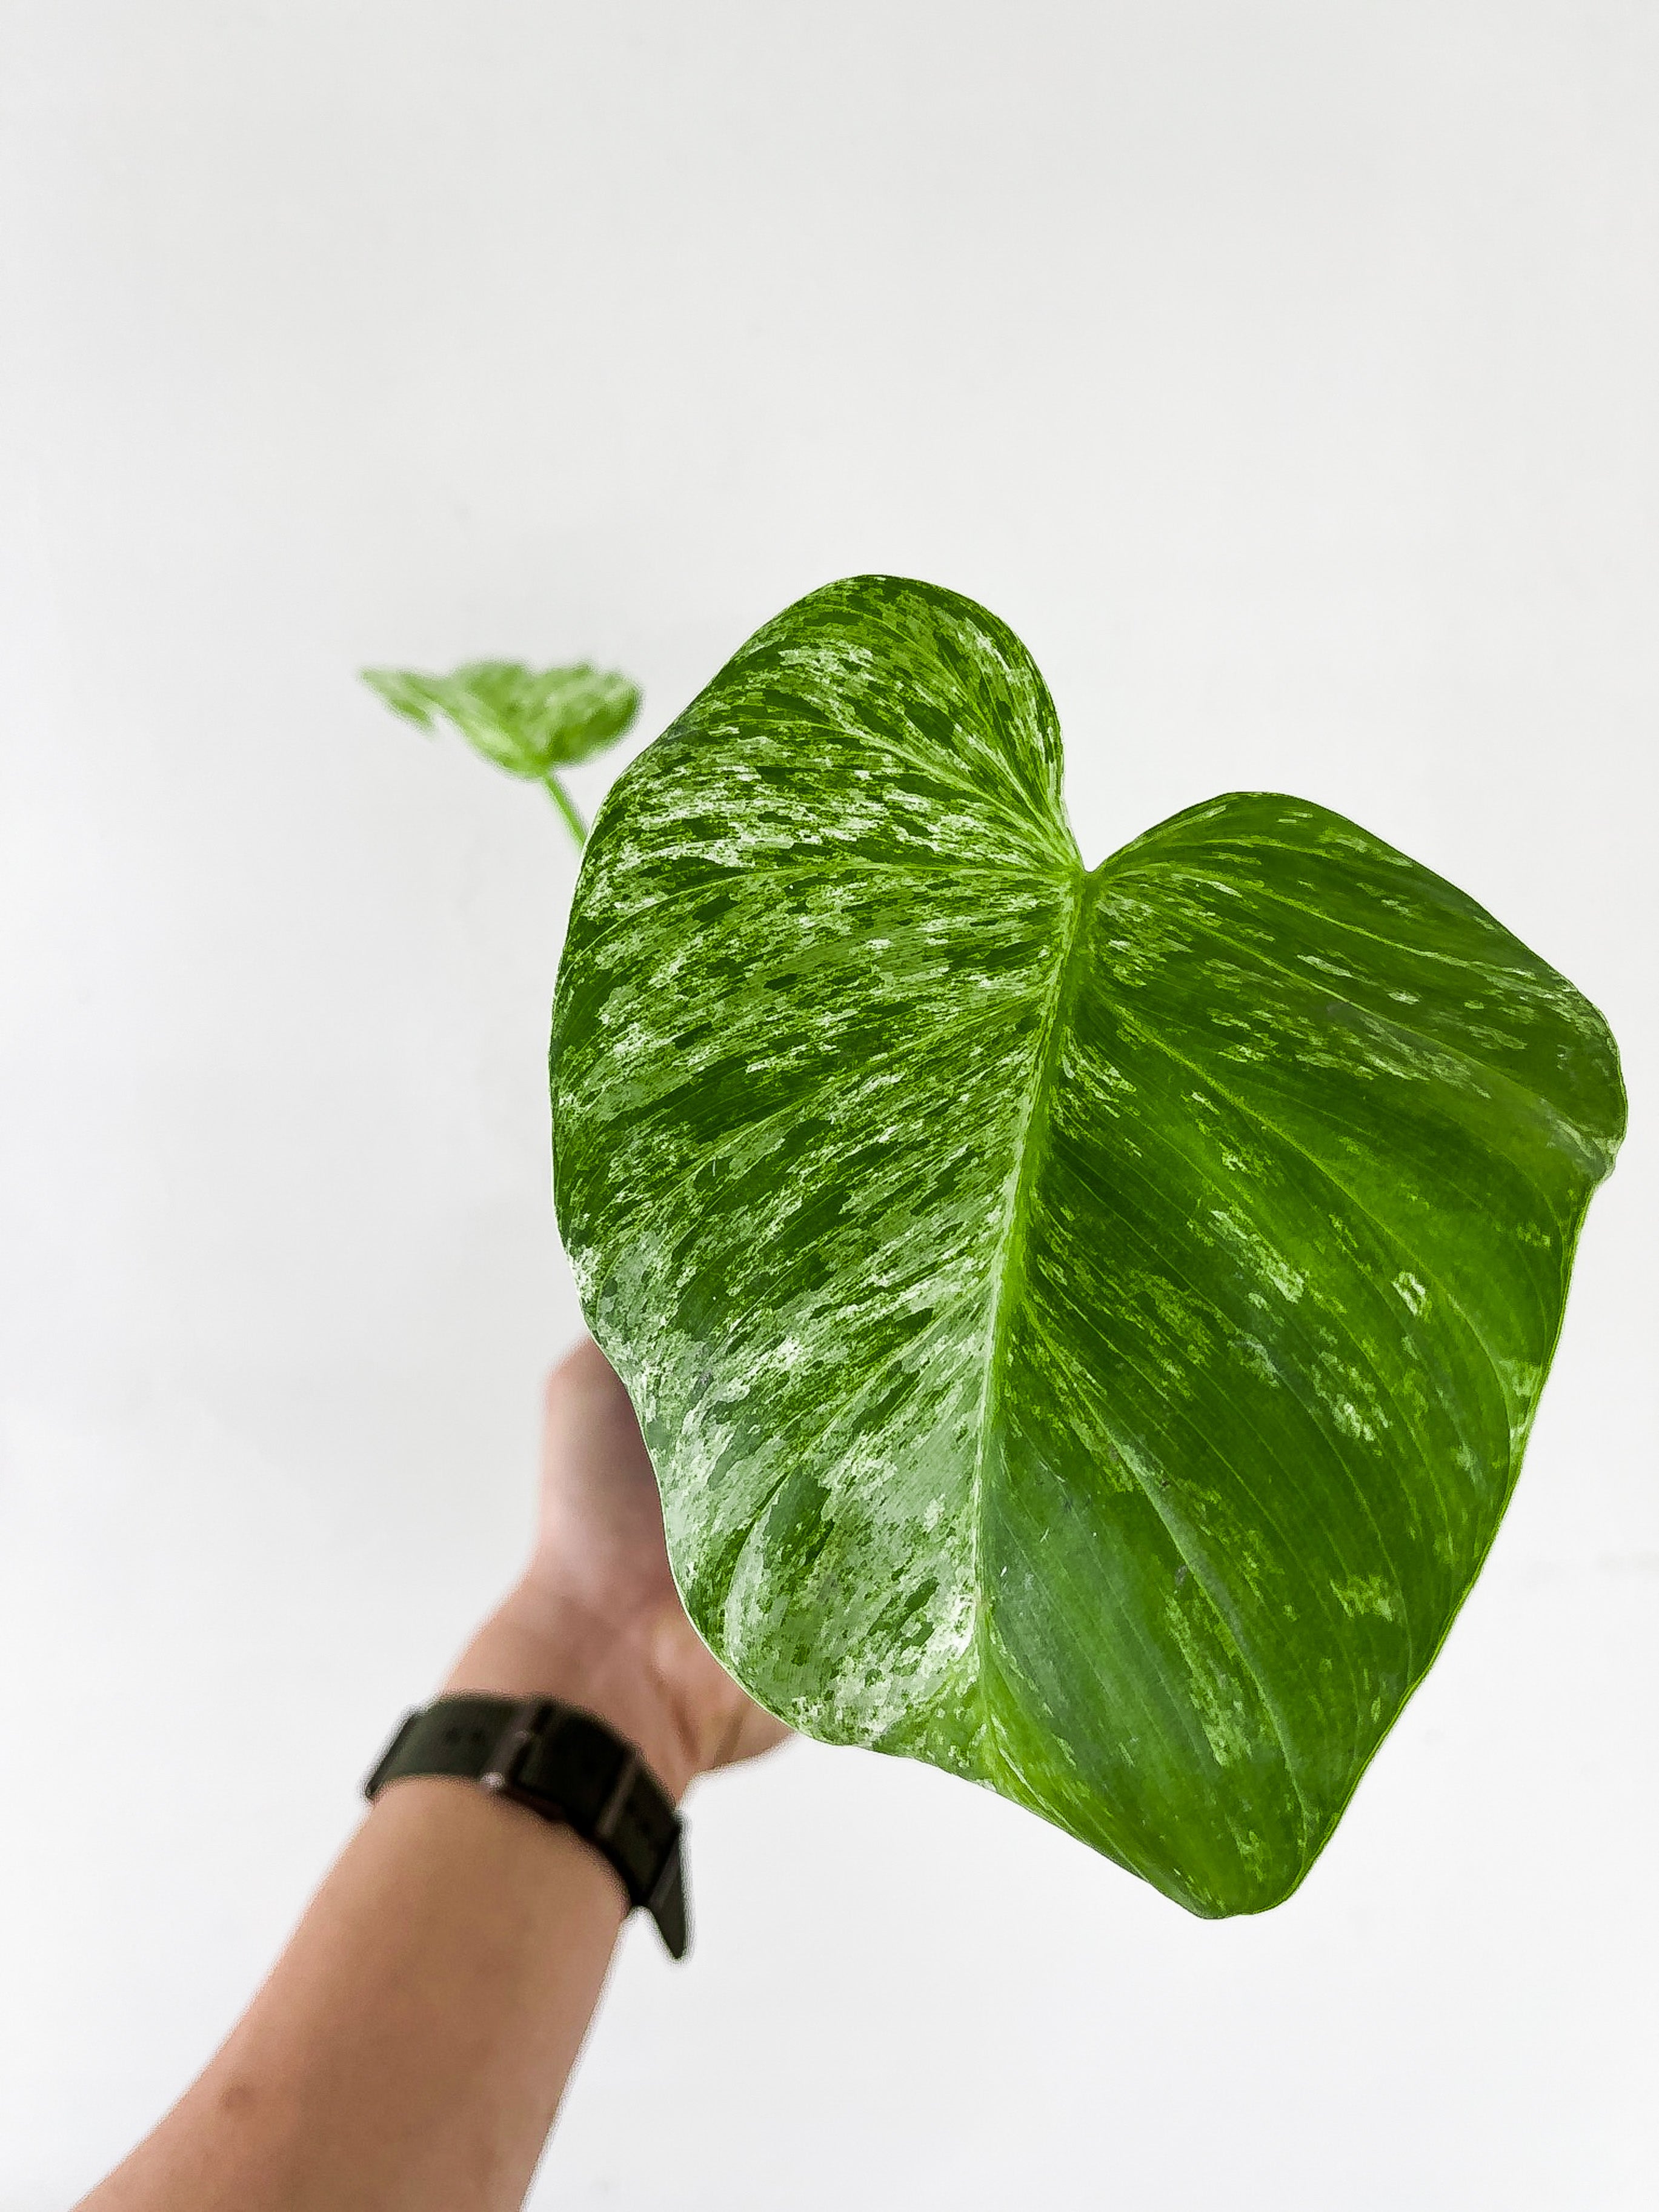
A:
(529, 721)
(1085, 1324)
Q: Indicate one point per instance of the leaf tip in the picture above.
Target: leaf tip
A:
(405, 692)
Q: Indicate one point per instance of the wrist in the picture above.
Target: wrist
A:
(534, 1647)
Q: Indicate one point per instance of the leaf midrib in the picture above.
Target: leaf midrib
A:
(1007, 1273)
(1009, 1259)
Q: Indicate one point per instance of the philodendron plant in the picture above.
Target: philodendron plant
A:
(1085, 1323)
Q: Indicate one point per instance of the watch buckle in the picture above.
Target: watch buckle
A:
(506, 1761)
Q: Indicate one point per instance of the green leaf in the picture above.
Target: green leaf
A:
(1086, 1326)
(528, 722)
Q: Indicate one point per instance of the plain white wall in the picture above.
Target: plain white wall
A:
(1287, 376)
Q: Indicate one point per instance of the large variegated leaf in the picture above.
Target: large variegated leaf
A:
(1086, 1326)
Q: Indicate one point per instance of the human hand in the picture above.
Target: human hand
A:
(596, 1620)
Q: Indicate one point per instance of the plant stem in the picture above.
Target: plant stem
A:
(561, 798)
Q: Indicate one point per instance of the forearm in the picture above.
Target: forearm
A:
(409, 2050)
(412, 2044)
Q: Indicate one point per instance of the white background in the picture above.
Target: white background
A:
(1287, 376)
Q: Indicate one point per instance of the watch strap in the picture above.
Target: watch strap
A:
(567, 1765)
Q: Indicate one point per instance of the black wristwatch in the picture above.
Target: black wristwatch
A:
(570, 1767)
